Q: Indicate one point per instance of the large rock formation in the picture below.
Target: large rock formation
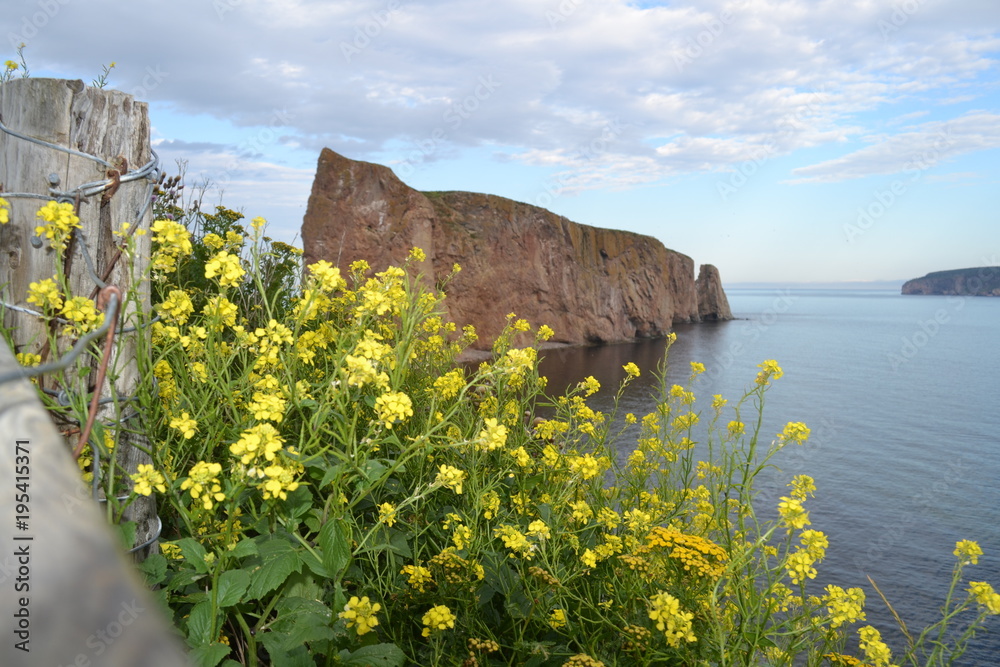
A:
(590, 285)
(980, 281)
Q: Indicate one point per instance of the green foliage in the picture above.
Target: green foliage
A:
(336, 490)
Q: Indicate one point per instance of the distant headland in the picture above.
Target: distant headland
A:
(979, 281)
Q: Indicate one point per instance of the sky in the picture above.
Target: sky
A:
(783, 141)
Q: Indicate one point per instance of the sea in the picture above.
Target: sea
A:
(902, 394)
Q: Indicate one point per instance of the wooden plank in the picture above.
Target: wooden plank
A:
(84, 605)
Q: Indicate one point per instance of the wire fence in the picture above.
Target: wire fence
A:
(111, 299)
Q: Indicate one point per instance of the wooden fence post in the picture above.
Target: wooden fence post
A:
(80, 124)
(65, 588)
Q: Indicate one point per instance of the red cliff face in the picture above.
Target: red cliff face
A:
(590, 285)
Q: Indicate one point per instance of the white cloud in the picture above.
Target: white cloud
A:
(698, 86)
(913, 151)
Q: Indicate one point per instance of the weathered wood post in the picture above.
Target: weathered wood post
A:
(64, 140)
(67, 594)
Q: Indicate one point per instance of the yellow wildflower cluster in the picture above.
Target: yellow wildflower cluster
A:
(492, 436)
(45, 294)
(360, 614)
(448, 385)
(968, 552)
(260, 440)
(769, 370)
(4, 204)
(418, 577)
(146, 478)
(515, 540)
(280, 480)
(395, 406)
(845, 606)
(698, 555)
(437, 619)
(177, 308)
(670, 619)
(60, 221)
(450, 477)
(986, 596)
(171, 241)
(82, 315)
(204, 484)
(583, 660)
(185, 425)
(871, 643)
(226, 267)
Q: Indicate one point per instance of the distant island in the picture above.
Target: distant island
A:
(980, 281)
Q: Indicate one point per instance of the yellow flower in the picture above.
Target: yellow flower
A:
(227, 267)
(462, 536)
(589, 558)
(326, 276)
(4, 204)
(185, 425)
(417, 576)
(28, 359)
(83, 316)
(769, 370)
(146, 478)
(360, 614)
(490, 503)
(45, 295)
(280, 480)
(262, 439)
(670, 619)
(515, 540)
(697, 368)
(451, 477)
(177, 307)
(437, 619)
(493, 436)
(417, 255)
(213, 241)
(968, 552)
(539, 529)
(61, 220)
(875, 649)
(736, 428)
(589, 386)
(793, 515)
(845, 606)
(258, 224)
(204, 484)
(986, 596)
(387, 514)
(631, 369)
(796, 432)
(394, 406)
(545, 332)
(557, 619)
(800, 566)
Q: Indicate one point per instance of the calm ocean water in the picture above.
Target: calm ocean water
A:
(901, 394)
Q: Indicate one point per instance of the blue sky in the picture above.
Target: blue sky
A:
(781, 140)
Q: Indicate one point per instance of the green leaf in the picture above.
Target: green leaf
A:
(193, 553)
(277, 560)
(245, 547)
(398, 543)
(126, 533)
(377, 655)
(332, 473)
(209, 655)
(200, 622)
(335, 541)
(280, 657)
(232, 587)
(313, 563)
(155, 569)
